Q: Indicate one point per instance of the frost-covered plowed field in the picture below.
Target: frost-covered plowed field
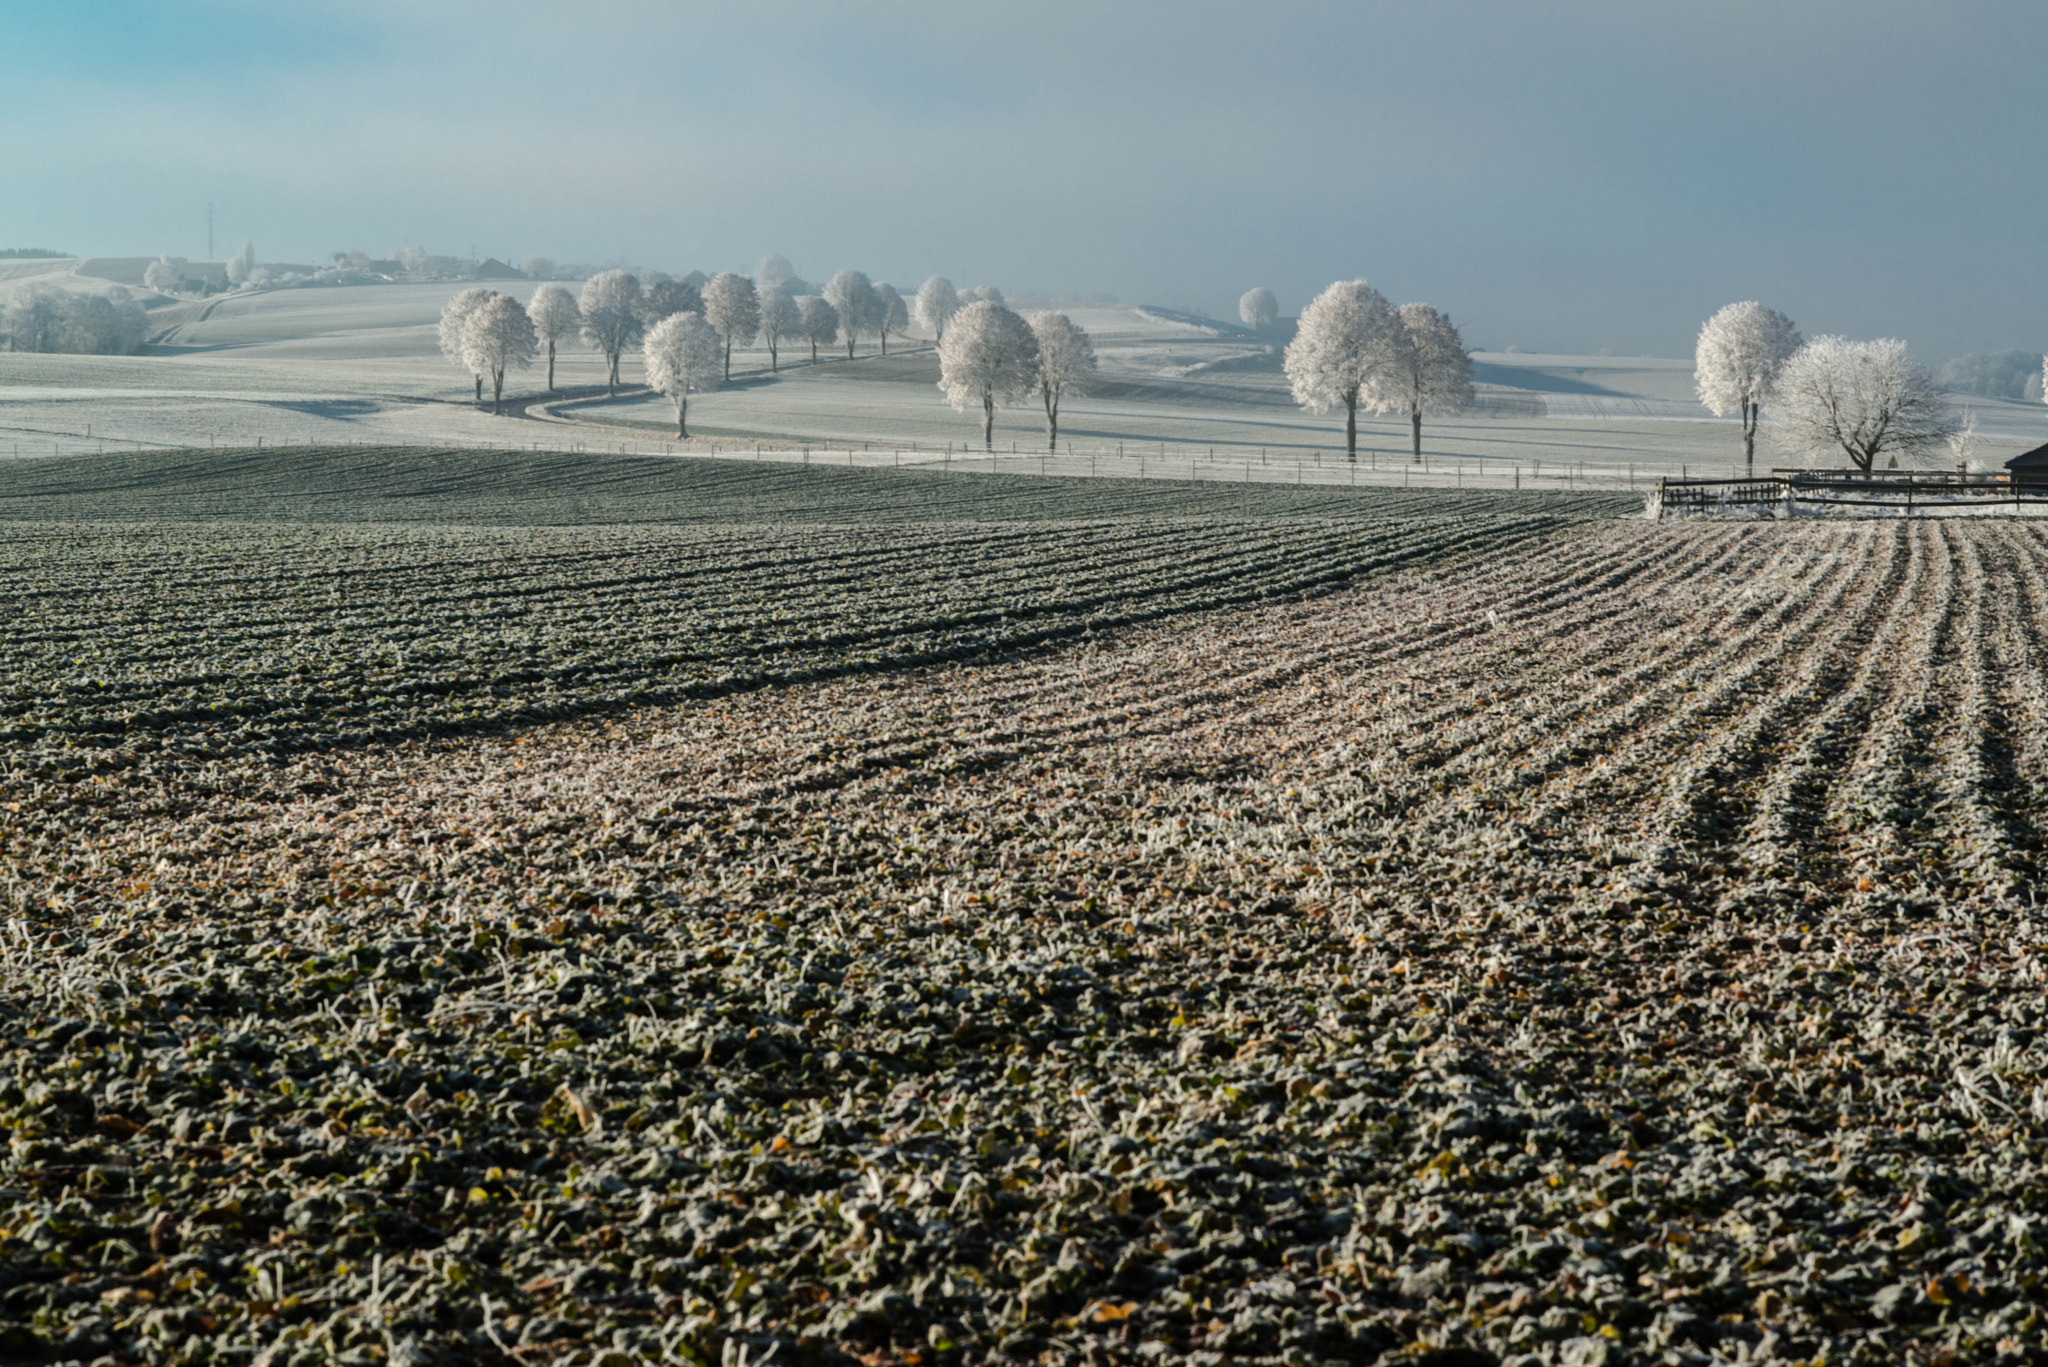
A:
(137, 643)
(1619, 946)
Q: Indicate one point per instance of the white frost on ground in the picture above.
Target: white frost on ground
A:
(359, 365)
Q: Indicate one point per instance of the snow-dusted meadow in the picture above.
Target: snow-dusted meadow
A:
(360, 365)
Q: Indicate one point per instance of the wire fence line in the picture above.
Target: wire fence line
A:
(1151, 460)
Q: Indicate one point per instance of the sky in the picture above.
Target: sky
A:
(1563, 177)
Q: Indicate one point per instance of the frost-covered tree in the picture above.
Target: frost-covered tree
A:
(853, 294)
(42, 319)
(667, 297)
(1348, 338)
(454, 319)
(732, 306)
(161, 274)
(1258, 308)
(1863, 400)
(780, 321)
(34, 320)
(242, 264)
(1741, 351)
(537, 268)
(1066, 364)
(555, 320)
(610, 309)
(1962, 442)
(1432, 372)
(989, 359)
(892, 316)
(496, 336)
(411, 260)
(683, 353)
(989, 294)
(1994, 375)
(937, 302)
(774, 273)
(110, 324)
(819, 320)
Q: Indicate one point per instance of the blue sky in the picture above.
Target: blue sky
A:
(1561, 176)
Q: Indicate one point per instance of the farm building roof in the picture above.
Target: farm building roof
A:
(2034, 461)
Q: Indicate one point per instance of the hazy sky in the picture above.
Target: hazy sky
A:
(1561, 176)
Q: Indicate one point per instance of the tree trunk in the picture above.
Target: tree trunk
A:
(814, 352)
(682, 411)
(1749, 419)
(988, 423)
(885, 341)
(497, 391)
(1415, 432)
(1052, 420)
(551, 367)
(1351, 428)
(849, 344)
(479, 378)
(774, 362)
(611, 374)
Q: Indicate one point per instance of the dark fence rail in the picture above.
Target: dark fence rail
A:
(1789, 490)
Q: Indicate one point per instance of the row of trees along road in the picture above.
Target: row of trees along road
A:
(615, 312)
(1830, 397)
(990, 357)
(1352, 347)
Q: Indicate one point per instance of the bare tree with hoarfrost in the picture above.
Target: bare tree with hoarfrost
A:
(1863, 400)
(1962, 442)
(242, 264)
(161, 274)
(891, 315)
(1258, 308)
(774, 273)
(780, 322)
(683, 353)
(820, 322)
(989, 294)
(853, 295)
(989, 359)
(1432, 371)
(1348, 339)
(1066, 365)
(733, 307)
(937, 302)
(497, 336)
(610, 308)
(1742, 350)
(454, 318)
(555, 320)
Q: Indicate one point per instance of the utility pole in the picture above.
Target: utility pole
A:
(209, 230)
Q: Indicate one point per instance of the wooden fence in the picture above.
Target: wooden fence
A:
(1785, 492)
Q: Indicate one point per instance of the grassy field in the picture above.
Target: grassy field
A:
(875, 920)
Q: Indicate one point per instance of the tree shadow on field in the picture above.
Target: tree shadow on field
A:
(1539, 378)
(341, 410)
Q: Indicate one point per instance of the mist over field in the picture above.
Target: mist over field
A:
(1565, 179)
